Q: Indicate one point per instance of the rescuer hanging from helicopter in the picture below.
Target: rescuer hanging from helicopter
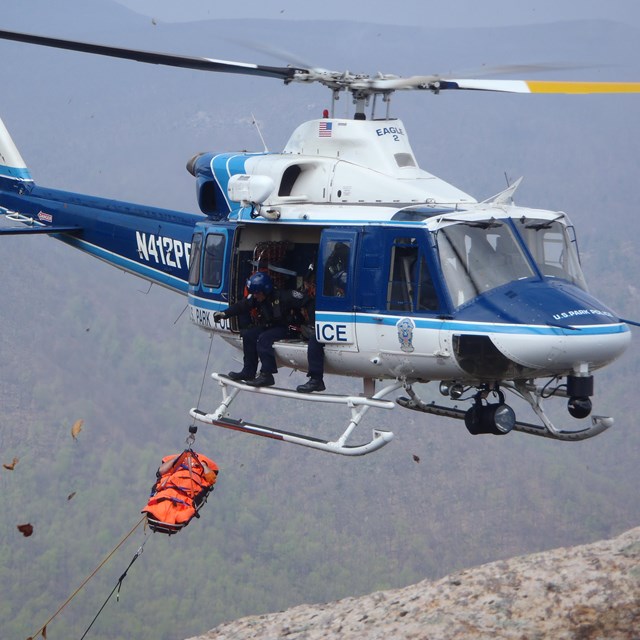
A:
(270, 323)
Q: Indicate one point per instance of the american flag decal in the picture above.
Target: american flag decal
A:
(324, 130)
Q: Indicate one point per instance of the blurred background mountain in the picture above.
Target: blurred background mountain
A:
(285, 525)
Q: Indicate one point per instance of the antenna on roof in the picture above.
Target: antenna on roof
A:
(264, 144)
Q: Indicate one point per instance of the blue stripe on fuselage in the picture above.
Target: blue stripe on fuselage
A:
(444, 325)
(223, 166)
(16, 173)
(480, 327)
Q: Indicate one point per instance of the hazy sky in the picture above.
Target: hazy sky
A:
(464, 13)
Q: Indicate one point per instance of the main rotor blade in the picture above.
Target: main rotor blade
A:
(363, 85)
(536, 86)
(150, 57)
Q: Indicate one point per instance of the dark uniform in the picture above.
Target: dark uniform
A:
(271, 318)
(315, 349)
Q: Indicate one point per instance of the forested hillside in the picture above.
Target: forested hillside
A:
(285, 525)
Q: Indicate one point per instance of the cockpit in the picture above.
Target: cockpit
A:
(480, 255)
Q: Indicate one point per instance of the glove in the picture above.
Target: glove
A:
(218, 316)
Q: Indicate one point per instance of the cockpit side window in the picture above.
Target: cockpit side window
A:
(553, 250)
(194, 264)
(427, 296)
(403, 281)
(410, 286)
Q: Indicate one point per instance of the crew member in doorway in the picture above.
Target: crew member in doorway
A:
(315, 349)
(272, 310)
(335, 271)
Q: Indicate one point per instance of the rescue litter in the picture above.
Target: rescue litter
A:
(184, 483)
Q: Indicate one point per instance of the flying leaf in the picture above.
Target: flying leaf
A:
(76, 429)
(12, 465)
(416, 458)
(25, 529)
(71, 495)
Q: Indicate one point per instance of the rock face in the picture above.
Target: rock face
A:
(579, 593)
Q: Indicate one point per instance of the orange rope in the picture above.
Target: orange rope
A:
(93, 573)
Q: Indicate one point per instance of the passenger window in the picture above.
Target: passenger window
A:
(336, 269)
(213, 260)
(194, 264)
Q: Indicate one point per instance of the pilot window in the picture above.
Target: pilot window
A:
(410, 287)
(479, 256)
(336, 269)
(213, 260)
(553, 250)
(194, 264)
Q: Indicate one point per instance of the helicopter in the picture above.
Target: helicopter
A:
(416, 281)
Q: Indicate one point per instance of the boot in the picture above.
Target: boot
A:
(263, 380)
(312, 384)
(240, 375)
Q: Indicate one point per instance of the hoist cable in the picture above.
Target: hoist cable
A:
(204, 374)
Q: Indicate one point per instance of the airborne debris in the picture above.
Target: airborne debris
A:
(416, 458)
(76, 429)
(11, 465)
(25, 529)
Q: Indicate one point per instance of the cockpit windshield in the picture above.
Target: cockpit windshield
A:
(553, 250)
(479, 256)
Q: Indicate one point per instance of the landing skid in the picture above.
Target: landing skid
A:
(357, 404)
(546, 429)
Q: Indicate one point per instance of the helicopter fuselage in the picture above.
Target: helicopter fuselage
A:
(435, 297)
(414, 279)
(431, 284)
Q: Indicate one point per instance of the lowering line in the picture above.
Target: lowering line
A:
(118, 585)
(43, 629)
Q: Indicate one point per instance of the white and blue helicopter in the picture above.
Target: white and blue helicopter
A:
(485, 298)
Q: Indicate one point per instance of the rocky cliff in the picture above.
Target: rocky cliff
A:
(579, 593)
